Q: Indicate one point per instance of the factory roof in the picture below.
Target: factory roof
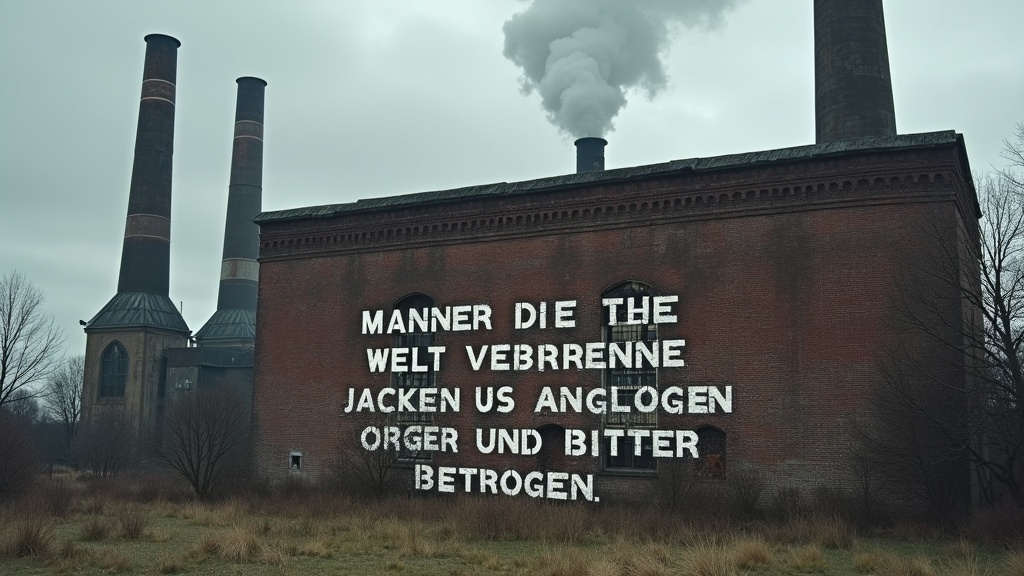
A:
(139, 309)
(730, 161)
(228, 325)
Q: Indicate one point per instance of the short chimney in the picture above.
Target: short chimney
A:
(853, 89)
(590, 154)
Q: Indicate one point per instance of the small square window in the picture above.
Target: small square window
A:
(295, 461)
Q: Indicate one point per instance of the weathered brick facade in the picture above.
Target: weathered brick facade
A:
(785, 264)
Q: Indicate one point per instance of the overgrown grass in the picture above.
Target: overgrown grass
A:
(94, 528)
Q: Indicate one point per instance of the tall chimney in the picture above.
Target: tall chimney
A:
(853, 90)
(235, 320)
(146, 253)
(590, 154)
(127, 338)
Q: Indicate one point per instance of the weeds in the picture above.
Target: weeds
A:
(1014, 564)
(239, 544)
(806, 559)
(133, 522)
(467, 536)
(95, 529)
(111, 559)
(751, 553)
(30, 536)
(709, 559)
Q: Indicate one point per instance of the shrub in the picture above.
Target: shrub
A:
(133, 522)
(1015, 563)
(95, 529)
(31, 536)
(786, 502)
(708, 559)
(745, 488)
(1000, 523)
(239, 544)
(19, 461)
(751, 553)
(806, 559)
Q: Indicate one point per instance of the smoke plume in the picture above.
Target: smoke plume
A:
(582, 56)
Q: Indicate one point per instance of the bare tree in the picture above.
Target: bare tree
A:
(63, 397)
(205, 433)
(958, 392)
(372, 472)
(108, 444)
(29, 341)
(1013, 150)
(24, 406)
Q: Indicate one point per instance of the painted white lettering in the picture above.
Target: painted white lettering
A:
(377, 359)
(498, 357)
(563, 314)
(671, 353)
(373, 324)
(698, 400)
(613, 308)
(395, 324)
(481, 316)
(525, 308)
(662, 311)
(475, 361)
(460, 318)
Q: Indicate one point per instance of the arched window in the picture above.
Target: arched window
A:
(627, 325)
(711, 448)
(114, 371)
(415, 310)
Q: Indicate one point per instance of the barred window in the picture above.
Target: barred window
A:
(624, 382)
(114, 371)
(415, 338)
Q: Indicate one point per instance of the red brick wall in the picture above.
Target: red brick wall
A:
(784, 277)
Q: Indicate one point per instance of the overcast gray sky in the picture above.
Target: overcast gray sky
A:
(370, 99)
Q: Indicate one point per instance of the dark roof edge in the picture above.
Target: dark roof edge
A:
(132, 310)
(729, 161)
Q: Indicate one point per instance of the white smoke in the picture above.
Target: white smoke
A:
(582, 56)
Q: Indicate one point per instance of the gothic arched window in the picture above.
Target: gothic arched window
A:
(113, 371)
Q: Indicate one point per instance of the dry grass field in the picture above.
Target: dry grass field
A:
(144, 526)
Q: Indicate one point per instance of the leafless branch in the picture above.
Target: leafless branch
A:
(29, 340)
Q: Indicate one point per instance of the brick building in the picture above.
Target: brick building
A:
(777, 273)
(785, 264)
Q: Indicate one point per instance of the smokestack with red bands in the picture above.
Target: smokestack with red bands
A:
(234, 322)
(146, 253)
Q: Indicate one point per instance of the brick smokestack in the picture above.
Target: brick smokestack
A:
(146, 253)
(234, 321)
(239, 269)
(853, 90)
(590, 154)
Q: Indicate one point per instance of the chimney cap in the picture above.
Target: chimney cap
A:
(587, 139)
(149, 37)
(250, 79)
